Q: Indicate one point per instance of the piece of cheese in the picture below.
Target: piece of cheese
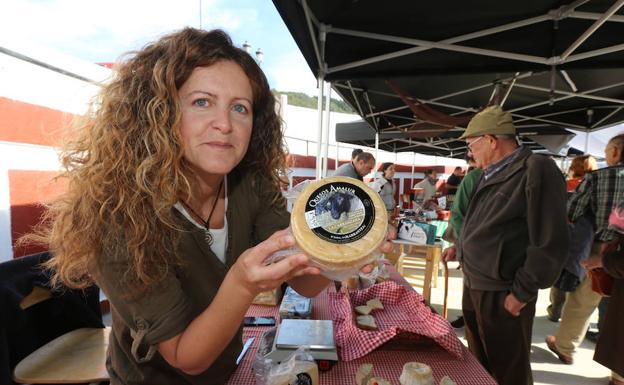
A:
(378, 381)
(339, 222)
(446, 380)
(375, 304)
(416, 373)
(363, 374)
(363, 310)
(366, 322)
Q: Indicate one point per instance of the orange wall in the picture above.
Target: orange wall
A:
(27, 191)
(28, 123)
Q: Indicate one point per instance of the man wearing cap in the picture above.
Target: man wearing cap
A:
(513, 242)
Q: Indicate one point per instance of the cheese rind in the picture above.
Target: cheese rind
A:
(339, 222)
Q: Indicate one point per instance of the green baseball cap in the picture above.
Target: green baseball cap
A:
(491, 121)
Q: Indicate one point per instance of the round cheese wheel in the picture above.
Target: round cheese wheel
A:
(339, 222)
(416, 373)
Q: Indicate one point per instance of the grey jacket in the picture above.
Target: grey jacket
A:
(347, 169)
(515, 236)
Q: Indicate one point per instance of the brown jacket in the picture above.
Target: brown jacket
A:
(165, 311)
(610, 347)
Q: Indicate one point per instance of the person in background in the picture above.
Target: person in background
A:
(580, 166)
(355, 153)
(592, 201)
(610, 346)
(510, 245)
(428, 184)
(385, 186)
(363, 164)
(458, 211)
(453, 181)
(580, 243)
(173, 204)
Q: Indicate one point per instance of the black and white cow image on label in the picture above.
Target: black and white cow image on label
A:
(339, 221)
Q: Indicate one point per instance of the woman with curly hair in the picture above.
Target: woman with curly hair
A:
(173, 205)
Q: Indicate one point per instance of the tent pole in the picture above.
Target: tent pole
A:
(337, 154)
(376, 155)
(413, 164)
(319, 108)
(326, 129)
(586, 142)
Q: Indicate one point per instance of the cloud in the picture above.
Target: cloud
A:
(290, 72)
(103, 30)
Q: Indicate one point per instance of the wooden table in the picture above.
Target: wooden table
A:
(387, 364)
(411, 254)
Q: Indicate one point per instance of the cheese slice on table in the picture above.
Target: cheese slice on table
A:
(339, 222)
(363, 374)
(416, 373)
(363, 310)
(375, 304)
(366, 322)
(446, 380)
(378, 381)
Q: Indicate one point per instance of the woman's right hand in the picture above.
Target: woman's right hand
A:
(255, 276)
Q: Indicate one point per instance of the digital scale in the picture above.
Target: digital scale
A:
(318, 335)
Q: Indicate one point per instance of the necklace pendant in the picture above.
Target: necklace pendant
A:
(208, 237)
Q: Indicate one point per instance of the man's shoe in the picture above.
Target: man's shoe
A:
(458, 323)
(552, 317)
(592, 336)
(550, 342)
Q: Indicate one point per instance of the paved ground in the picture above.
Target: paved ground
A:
(547, 369)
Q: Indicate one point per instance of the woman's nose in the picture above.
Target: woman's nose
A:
(223, 120)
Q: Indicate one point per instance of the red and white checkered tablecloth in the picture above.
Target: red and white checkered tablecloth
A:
(387, 364)
(404, 311)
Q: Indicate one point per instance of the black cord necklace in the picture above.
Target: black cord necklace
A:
(209, 238)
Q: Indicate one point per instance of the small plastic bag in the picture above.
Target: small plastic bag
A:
(288, 371)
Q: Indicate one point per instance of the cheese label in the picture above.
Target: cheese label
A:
(340, 212)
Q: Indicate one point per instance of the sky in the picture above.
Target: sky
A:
(102, 31)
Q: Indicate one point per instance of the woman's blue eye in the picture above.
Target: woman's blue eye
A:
(202, 102)
(240, 108)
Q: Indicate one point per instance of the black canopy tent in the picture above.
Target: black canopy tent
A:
(553, 64)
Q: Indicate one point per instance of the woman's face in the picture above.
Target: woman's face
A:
(389, 173)
(217, 117)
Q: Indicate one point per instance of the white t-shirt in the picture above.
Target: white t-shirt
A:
(219, 236)
(429, 190)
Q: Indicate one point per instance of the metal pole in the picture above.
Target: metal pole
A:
(326, 129)
(614, 8)
(413, 165)
(319, 108)
(376, 155)
(587, 142)
(337, 155)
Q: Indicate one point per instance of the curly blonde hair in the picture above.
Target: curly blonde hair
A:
(125, 168)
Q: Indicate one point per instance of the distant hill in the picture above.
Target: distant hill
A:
(300, 99)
